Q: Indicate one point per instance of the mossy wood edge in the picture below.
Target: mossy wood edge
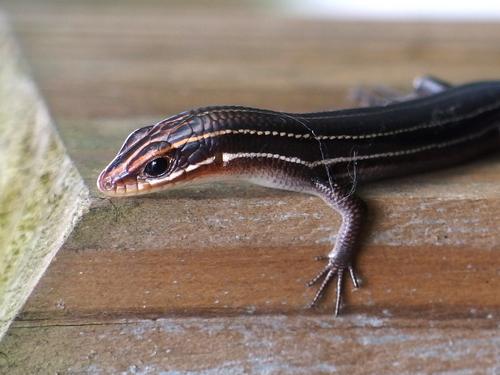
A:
(41, 193)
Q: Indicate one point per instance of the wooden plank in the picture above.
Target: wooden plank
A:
(448, 283)
(41, 193)
(158, 59)
(253, 345)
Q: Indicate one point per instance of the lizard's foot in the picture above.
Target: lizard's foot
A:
(327, 274)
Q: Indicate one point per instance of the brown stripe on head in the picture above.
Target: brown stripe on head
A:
(156, 156)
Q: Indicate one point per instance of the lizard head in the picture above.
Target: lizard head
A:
(158, 157)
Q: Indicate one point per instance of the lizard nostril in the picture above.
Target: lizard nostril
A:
(107, 184)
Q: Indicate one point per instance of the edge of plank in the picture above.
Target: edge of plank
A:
(42, 194)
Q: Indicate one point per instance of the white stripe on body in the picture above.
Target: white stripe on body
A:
(312, 164)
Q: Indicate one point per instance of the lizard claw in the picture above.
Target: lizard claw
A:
(327, 274)
(321, 257)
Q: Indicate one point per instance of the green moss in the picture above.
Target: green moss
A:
(41, 193)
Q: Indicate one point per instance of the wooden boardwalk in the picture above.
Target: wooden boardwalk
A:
(211, 279)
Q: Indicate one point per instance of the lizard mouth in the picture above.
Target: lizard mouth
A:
(121, 189)
(119, 185)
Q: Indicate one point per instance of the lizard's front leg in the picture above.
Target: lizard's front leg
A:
(342, 257)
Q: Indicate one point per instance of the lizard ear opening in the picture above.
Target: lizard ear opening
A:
(134, 137)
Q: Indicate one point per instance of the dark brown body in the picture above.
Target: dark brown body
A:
(326, 153)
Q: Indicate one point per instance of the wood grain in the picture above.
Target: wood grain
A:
(444, 284)
(41, 193)
(155, 59)
(254, 345)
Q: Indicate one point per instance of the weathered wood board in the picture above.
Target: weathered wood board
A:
(41, 192)
(276, 344)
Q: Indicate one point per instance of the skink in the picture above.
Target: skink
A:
(325, 153)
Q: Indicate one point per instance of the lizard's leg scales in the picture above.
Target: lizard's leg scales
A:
(341, 258)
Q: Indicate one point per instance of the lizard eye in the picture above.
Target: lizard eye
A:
(156, 167)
